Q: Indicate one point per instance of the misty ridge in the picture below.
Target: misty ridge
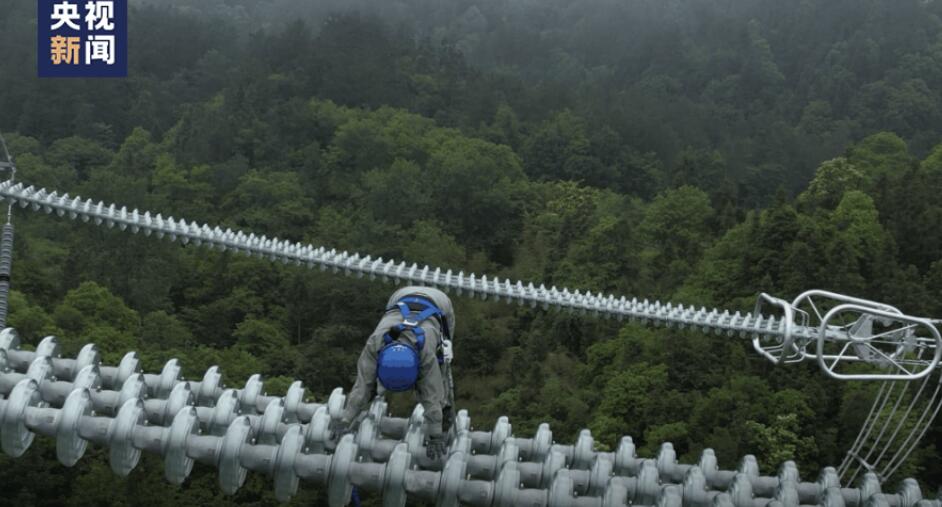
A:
(748, 96)
(667, 76)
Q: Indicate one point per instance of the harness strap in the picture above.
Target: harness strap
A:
(413, 318)
(424, 303)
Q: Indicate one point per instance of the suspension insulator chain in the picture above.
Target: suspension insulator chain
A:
(780, 339)
(6, 263)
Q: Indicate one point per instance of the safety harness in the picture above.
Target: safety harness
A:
(398, 362)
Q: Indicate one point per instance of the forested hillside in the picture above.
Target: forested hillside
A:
(699, 151)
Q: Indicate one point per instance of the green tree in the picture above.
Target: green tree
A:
(676, 230)
(881, 154)
(779, 442)
(831, 180)
(91, 314)
(270, 203)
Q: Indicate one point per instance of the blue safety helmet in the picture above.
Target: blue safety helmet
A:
(399, 362)
(397, 366)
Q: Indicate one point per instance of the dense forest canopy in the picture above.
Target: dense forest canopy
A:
(700, 151)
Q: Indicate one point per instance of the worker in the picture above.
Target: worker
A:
(410, 349)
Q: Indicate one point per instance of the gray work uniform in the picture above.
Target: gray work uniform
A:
(434, 388)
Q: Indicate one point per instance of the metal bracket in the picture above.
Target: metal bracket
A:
(804, 305)
(898, 348)
(782, 349)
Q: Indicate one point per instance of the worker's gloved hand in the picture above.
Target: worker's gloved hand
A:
(437, 447)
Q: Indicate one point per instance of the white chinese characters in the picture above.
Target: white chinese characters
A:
(99, 15)
(97, 41)
(99, 48)
(64, 13)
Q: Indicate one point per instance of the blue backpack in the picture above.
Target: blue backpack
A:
(399, 362)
